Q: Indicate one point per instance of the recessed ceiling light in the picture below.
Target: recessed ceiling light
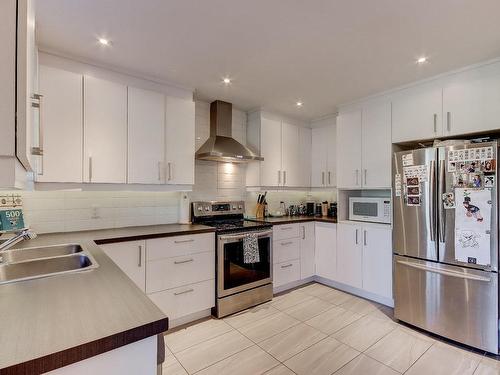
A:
(299, 104)
(104, 41)
(226, 80)
(422, 60)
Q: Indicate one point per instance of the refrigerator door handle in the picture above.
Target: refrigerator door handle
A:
(432, 199)
(441, 213)
(444, 272)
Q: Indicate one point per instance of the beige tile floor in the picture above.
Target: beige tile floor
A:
(315, 330)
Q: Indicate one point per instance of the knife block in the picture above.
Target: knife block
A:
(259, 210)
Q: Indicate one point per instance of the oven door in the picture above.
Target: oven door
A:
(233, 275)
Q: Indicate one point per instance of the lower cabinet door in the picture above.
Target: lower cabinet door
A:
(326, 250)
(307, 261)
(131, 258)
(286, 272)
(349, 255)
(185, 300)
(377, 261)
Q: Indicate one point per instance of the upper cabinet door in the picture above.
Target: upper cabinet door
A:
(180, 141)
(304, 156)
(416, 113)
(290, 162)
(349, 150)
(270, 143)
(146, 136)
(471, 102)
(331, 156)
(319, 154)
(105, 131)
(376, 141)
(62, 120)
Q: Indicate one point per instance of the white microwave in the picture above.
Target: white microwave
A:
(376, 210)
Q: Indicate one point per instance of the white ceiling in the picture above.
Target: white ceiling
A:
(323, 52)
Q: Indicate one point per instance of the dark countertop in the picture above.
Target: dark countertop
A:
(293, 219)
(52, 322)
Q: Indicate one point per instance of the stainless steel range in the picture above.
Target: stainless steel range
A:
(240, 283)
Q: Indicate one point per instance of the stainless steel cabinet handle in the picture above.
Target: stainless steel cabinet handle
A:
(444, 272)
(285, 228)
(356, 236)
(183, 241)
(169, 171)
(329, 178)
(287, 265)
(279, 177)
(448, 121)
(364, 237)
(435, 122)
(322, 178)
(286, 243)
(365, 176)
(303, 232)
(90, 168)
(184, 292)
(441, 210)
(284, 177)
(140, 256)
(159, 171)
(37, 103)
(183, 261)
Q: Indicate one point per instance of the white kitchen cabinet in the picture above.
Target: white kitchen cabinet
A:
(130, 256)
(180, 141)
(471, 101)
(376, 144)
(105, 131)
(349, 150)
(307, 252)
(326, 250)
(270, 143)
(146, 136)
(304, 152)
(349, 255)
(377, 260)
(62, 120)
(417, 113)
(286, 272)
(323, 157)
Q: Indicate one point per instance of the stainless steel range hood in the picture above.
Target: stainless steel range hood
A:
(221, 146)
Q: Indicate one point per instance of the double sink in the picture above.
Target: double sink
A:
(37, 262)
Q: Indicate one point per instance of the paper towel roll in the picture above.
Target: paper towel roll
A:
(184, 209)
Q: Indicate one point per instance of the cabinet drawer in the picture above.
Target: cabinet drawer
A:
(174, 272)
(281, 232)
(286, 272)
(285, 250)
(160, 248)
(185, 300)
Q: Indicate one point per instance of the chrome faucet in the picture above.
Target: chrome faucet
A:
(24, 234)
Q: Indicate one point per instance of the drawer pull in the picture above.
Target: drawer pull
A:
(184, 292)
(183, 261)
(286, 243)
(183, 241)
(287, 265)
(285, 228)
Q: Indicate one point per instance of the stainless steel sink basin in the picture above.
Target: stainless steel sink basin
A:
(32, 263)
(21, 255)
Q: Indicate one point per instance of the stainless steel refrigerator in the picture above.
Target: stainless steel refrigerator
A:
(445, 241)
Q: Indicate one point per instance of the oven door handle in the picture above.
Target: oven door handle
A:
(240, 236)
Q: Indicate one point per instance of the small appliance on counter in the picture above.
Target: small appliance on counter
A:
(310, 208)
(370, 209)
(332, 211)
(319, 210)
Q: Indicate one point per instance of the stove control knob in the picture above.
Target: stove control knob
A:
(200, 208)
(234, 207)
(240, 207)
(207, 208)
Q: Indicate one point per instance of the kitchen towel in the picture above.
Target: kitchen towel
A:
(251, 249)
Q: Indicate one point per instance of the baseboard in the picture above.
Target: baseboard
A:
(292, 285)
(189, 318)
(356, 291)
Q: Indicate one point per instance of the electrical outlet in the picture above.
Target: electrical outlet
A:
(95, 212)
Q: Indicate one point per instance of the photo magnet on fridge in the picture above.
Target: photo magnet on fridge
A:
(489, 181)
(412, 181)
(413, 201)
(448, 200)
(488, 165)
(476, 180)
(413, 190)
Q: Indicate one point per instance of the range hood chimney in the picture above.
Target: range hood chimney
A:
(221, 146)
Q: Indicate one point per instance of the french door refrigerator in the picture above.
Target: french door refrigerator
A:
(445, 241)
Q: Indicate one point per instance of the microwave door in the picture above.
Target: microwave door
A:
(414, 210)
(447, 217)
